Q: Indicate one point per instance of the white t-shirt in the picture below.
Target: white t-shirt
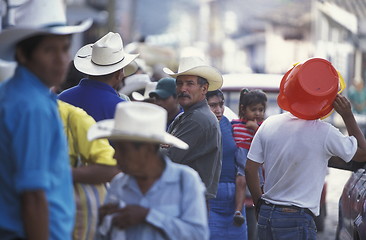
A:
(295, 153)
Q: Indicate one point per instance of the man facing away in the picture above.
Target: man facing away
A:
(197, 126)
(165, 96)
(153, 198)
(105, 63)
(295, 149)
(36, 196)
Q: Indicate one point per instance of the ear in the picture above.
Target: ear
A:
(205, 88)
(19, 56)
(120, 75)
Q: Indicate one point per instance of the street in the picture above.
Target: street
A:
(336, 180)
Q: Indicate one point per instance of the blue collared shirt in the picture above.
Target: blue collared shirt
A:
(98, 99)
(176, 202)
(33, 155)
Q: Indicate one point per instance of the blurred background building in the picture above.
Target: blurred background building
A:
(261, 36)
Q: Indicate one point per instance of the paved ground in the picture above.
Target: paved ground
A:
(336, 180)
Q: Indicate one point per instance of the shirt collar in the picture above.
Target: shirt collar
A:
(196, 106)
(23, 74)
(97, 84)
(170, 173)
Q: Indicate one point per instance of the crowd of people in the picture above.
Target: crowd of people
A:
(115, 156)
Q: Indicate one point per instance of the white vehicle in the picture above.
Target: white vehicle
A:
(269, 83)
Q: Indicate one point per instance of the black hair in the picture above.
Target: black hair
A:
(202, 81)
(217, 93)
(29, 45)
(138, 145)
(250, 97)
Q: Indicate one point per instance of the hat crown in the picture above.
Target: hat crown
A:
(38, 14)
(166, 84)
(187, 63)
(309, 89)
(140, 118)
(108, 50)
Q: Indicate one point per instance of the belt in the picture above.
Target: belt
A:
(290, 208)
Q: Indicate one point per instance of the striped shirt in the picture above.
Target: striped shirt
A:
(243, 136)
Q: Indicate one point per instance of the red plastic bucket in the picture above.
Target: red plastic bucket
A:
(309, 89)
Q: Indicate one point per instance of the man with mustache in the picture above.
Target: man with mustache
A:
(197, 125)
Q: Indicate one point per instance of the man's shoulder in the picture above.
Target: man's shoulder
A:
(203, 114)
(185, 170)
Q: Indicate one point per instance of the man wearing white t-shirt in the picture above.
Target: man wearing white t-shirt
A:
(295, 153)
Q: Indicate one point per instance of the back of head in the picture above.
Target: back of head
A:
(250, 97)
(218, 93)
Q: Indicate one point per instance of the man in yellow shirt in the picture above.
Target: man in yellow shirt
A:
(92, 166)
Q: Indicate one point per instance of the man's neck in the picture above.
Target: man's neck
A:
(173, 114)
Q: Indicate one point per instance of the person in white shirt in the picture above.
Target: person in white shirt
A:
(294, 150)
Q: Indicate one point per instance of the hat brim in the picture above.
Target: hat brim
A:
(137, 96)
(104, 129)
(212, 75)
(84, 64)
(305, 110)
(11, 36)
(160, 93)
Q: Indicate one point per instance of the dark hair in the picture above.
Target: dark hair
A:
(29, 45)
(250, 97)
(138, 145)
(202, 81)
(217, 93)
(73, 77)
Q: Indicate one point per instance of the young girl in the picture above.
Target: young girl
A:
(252, 106)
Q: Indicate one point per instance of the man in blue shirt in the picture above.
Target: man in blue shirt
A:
(36, 197)
(153, 198)
(105, 63)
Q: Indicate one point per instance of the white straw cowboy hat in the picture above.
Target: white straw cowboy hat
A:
(197, 67)
(36, 17)
(136, 121)
(150, 86)
(134, 83)
(104, 56)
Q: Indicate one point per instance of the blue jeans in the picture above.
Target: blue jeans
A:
(277, 223)
(220, 220)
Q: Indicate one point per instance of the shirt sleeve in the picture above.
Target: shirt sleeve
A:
(192, 222)
(98, 151)
(340, 145)
(31, 147)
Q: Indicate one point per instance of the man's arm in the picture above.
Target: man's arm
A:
(252, 177)
(35, 215)
(343, 107)
(94, 173)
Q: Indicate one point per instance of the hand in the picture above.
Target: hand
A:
(129, 216)
(342, 106)
(106, 210)
(252, 124)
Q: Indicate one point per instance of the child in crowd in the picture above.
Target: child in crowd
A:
(252, 106)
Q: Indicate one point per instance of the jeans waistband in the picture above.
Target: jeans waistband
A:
(291, 207)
